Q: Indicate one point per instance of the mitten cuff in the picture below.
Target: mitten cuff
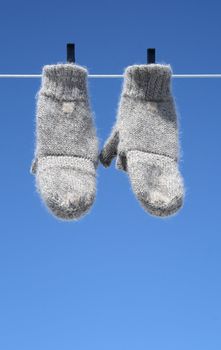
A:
(150, 82)
(64, 81)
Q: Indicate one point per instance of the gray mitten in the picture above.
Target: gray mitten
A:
(66, 153)
(145, 139)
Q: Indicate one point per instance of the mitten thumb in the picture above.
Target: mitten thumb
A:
(109, 150)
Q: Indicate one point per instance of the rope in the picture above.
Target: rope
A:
(188, 76)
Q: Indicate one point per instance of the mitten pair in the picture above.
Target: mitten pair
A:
(144, 139)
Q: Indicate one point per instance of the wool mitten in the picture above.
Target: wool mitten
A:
(66, 153)
(145, 139)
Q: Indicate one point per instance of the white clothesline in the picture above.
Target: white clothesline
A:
(112, 76)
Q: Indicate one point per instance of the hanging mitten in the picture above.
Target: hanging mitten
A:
(145, 139)
(66, 153)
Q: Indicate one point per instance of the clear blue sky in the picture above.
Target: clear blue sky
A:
(119, 279)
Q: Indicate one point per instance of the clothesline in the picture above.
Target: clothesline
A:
(112, 76)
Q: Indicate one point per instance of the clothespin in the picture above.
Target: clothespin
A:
(151, 56)
(71, 53)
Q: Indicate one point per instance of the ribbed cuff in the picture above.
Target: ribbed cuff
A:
(149, 81)
(64, 81)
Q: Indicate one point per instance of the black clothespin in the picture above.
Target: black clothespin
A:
(71, 53)
(151, 56)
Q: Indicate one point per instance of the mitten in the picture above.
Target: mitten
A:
(66, 154)
(145, 139)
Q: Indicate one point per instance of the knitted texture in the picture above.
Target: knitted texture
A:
(145, 139)
(66, 154)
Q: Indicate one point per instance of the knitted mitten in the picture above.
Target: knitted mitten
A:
(145, 139)
(66, 153)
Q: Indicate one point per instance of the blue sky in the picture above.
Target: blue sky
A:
(119, 278)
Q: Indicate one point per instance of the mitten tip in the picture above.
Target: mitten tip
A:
(160, 69)
(64, 70)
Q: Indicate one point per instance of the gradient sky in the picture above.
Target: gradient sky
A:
(118, 279)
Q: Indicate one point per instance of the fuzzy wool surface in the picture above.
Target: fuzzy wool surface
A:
(66, 154)
(145, 139)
